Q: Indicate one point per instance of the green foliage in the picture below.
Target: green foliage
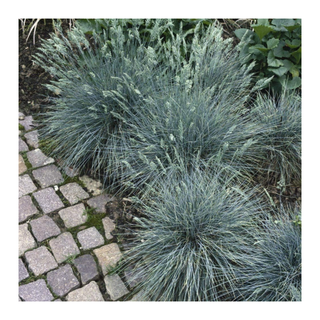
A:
(275, 46)
(274, 271)
(193, 239)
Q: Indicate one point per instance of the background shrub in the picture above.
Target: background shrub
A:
(275, 46)
(275, 272)
(192, 240)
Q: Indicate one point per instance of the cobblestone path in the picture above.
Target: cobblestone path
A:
(62, 255)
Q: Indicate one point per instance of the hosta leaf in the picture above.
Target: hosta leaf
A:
(288, 64)
(279, 71)
(263, 22)
(291, 28)
(295, 43)
(294, 83)
(258, 48)
(272, 61)
(297, 55)
(290, 84)
(279, 52)
(262, 30)
(272, 43)
(283, 22)
(294, 69)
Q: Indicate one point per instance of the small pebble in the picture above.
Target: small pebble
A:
(56, 188)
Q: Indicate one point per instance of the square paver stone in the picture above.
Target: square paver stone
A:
(108, 256)
(73, 192)
(23, 272)
(48, 200)
(22, 165)
(35, 291)
(22, 146)
(99, 202)
(26, 208)
(108, 226)
(40, 260)
(87, 268)
(28, 123)
(62, 280)
(44, 228)
(32, 138)
(38, 159)
(48, 176)
(26, 240)
(115, 287)
(90, 292)
(64, 247)
(26, 185)
(74, 216)
(90, 238)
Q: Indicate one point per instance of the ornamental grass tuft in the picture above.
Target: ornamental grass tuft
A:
(92, 78)
(193, 239)
(274, 271)
(280, 141)
(143, 107)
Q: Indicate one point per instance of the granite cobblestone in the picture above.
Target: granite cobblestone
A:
(62, 255)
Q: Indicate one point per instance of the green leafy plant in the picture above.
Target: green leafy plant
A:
(192, 240)
(275, 272)
(275, 46)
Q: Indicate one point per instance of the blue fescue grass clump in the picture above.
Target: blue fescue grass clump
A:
(193, 239)
(91, 79)
(198, 116)
(280, 143)
(274, 273)
(178, 131)
(107, 87)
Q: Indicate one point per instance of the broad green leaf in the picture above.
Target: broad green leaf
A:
(280, 52)
(283, 22)
(263, 22)
(272, 43)
(259, 47)
(262, 30)
(295, 43)
(292, 68)
(297, 55)
(295, 72)
(291, 28)
(290, 84)
(294, 83)
(287, 64)
(272, 61)
(279, 71)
